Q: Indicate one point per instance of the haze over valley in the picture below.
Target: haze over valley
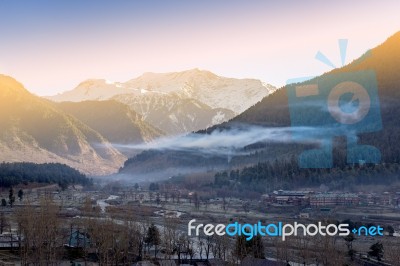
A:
(213, 133)
(92, 126)
(147, 124)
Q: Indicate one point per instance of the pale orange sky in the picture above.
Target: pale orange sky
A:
(51, 47)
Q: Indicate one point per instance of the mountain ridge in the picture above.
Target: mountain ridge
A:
(220, 98)
(273, 112)
(115, 121)
(33, 130)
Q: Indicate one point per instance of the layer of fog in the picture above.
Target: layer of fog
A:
(225, 143)
(228, 141)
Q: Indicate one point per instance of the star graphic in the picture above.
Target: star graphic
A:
(354, 231)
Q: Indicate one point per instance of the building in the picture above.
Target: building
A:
(78, 239)
(386, 199)
(304, 215)
(288, 197)
(334, 199)
(249, 261)
(9, 241)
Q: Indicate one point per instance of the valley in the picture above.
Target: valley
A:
(115, 171)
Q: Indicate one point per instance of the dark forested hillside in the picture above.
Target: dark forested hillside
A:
(274, 111)
(384, 61)
(269, 176)
(12, 174)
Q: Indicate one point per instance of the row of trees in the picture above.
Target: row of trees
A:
(12, 174)
(287, 174)
(129, 237)
(125, 237)
(121, 239)
(329, 251)
(39, 230)
(11, 197)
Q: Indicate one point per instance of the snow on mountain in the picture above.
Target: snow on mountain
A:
(174, 114)
(176, 102)
(215, 91)
(91, 90)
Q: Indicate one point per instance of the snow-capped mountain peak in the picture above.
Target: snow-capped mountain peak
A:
(188, 100)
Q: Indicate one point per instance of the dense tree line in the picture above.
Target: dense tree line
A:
(269, 176)
(12, 174)
(274, 110)
(151, 160)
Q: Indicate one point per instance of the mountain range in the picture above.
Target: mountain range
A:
(177, 102)
(273, 112)
(33, 130)
(115, 121)
(93, 129)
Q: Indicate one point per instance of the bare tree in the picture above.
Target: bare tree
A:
(225, 247)
(103, 236)
(283, 250)
(200, 247)
(208, 245)
(196, 201)
(303, 244)
(3, 222)
(170, 235)
(39, 232)
(327, 253)
(392, 251)
(189, 245)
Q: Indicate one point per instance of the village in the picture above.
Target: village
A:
(138, 224)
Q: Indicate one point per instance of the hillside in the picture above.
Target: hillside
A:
(384, 61)
(113, 120)
(33, 130)
(274, 112)
(91, 90)
(175, 115)
(176, 102)
(12, 174)
(206, 87)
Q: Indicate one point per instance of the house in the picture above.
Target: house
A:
(333, 199)
(386, 199)
(249, 261)
(304, 215)
(167, 263)
(144, 263)
(78, 239)
(216, 262)
(8, 241)
(287, 197)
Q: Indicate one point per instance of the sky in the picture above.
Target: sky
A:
(52, 46)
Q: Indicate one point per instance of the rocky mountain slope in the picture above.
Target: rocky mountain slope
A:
(177, 102)
(33, 130)
(173, 114)
(274, 112)
(236, 95)
(113, 120)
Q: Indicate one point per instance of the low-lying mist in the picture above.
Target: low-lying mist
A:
(197, 152)
(228, 141)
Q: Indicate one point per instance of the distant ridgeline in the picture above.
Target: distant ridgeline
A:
(274, 111)
(12, 174)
